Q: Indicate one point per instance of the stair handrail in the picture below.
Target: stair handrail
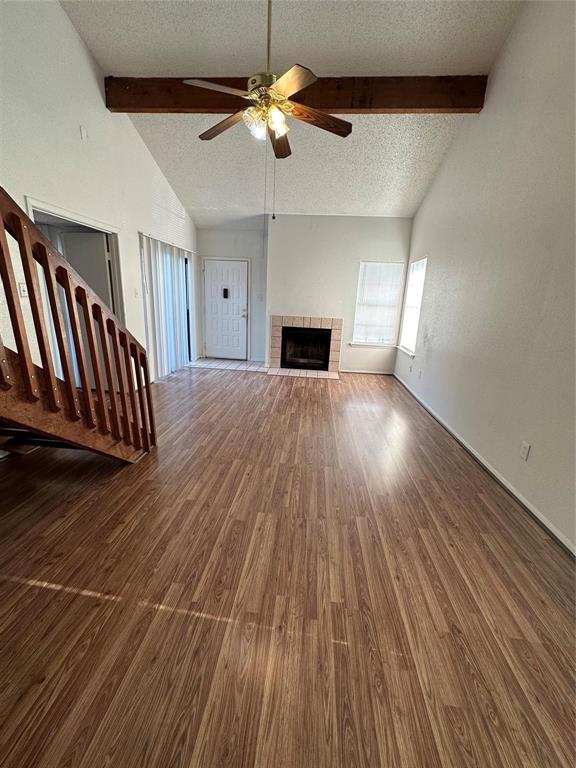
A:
(134, 422)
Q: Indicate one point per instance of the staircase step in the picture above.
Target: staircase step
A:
(21, 438)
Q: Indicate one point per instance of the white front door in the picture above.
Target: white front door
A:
(226, 308)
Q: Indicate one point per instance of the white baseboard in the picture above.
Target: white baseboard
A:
(360, 370)
(564, 540)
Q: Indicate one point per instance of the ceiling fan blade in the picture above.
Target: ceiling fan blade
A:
(222, 126)
(216, 87)
(320, 119)
(294, 80)
(280, 145)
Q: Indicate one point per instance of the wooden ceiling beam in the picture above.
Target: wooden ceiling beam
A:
(337, 95)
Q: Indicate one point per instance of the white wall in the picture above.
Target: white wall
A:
(313, 264)
(496, 337)
(88, 255)
(49, 86)
(247, 243)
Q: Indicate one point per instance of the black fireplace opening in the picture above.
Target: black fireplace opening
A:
(306, 348)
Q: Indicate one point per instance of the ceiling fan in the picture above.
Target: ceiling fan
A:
(270, 104)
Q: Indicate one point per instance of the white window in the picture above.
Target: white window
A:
(412, 304)
(378, 302)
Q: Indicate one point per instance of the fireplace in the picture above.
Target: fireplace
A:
(302, 328)
(306, 348)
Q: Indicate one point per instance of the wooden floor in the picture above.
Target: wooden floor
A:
(306, 574)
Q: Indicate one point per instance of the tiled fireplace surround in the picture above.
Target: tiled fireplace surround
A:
(277, 322)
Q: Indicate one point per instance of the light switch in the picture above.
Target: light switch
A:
(23, 290)
(525, 450)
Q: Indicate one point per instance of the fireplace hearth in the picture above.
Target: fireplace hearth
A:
(307, 348)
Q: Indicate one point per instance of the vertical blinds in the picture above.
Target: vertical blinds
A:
(164, 271)
(378, 302)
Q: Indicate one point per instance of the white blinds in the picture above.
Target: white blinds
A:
(412, 304)
(378, 302)
(165, 276)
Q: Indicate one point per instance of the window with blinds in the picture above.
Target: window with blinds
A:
(412, 304)
(378, 302)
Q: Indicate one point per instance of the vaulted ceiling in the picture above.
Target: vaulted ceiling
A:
(383, 169)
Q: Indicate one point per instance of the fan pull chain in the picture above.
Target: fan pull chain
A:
(274, 189)
(265, 176)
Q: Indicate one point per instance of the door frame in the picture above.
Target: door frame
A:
(248, 301)
(32, 204)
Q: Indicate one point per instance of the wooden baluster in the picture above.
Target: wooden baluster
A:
(121, 384)
(31, 275)
(5, 373)
(144, 402)
(144, 361)
(141, 397)
(132, 392)
(60, 330)
(99, 317)
(18, 325)
(95, 357)
(64, 279)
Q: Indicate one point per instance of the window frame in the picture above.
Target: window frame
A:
(356, 342)
(411, 265)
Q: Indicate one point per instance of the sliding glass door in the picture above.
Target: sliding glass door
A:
(165, 270)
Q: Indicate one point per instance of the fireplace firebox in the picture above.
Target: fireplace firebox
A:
(307, 348)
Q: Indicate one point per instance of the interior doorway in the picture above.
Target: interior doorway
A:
(92, 252)
(226, 308)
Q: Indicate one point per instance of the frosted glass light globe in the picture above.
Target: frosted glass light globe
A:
(277, 121)
(255, 122)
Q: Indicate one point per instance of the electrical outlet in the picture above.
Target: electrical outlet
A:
(525, 450)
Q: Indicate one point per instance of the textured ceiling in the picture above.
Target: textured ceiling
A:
(332, 37)
(383, 169)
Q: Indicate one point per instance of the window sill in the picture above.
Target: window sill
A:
(374, 344)
(407, 352)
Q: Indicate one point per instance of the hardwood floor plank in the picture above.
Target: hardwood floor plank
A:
(228, 732)
(305, 573)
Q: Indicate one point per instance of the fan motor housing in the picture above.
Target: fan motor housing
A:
(261, 80)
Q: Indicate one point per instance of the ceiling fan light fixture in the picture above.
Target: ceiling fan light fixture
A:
(270, 97)
(256, 122)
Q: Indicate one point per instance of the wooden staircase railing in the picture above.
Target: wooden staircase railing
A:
(102, 402)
